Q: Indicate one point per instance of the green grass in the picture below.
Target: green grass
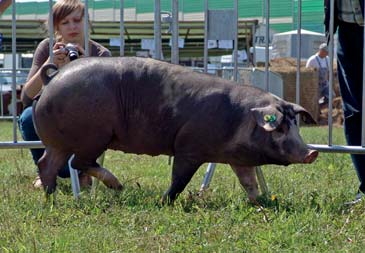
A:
(306, 215)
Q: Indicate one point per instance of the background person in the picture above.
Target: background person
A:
(349, 23)
(320, 62)
(68, 20)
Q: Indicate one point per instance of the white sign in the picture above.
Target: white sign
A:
(114, 42)
(260, 35)
(148, 44)
(226, 44)
(212, 44)
(180, 42)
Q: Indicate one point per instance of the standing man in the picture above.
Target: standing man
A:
(349, 21)
(320, 62)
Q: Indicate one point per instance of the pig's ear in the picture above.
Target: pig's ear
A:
(306, 116)
(267, 117)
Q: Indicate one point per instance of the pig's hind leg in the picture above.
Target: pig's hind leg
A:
(52, 161)
(91, 167)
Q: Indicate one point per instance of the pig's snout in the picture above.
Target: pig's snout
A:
(311, 156)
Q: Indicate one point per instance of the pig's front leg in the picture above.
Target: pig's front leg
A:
(247, 177)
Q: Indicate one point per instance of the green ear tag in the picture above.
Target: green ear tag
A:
(267, 117)
(270, 118)
(273, 118)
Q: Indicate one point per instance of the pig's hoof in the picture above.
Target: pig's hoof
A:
(117, 187)
(261, 200)
(166, 200)
(113, 184)
(49, 189)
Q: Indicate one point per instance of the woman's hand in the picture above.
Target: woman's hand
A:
(80, 49)
(60, 57)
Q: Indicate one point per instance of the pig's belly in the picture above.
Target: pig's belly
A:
(148, 146)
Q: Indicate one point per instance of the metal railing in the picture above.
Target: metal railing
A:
(329, 147)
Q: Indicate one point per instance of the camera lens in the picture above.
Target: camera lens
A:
(72, 51)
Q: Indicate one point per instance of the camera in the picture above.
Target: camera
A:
(72, 51)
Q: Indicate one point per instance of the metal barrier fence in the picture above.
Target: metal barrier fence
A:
(329, 147)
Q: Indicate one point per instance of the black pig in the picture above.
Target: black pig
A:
(145, 106)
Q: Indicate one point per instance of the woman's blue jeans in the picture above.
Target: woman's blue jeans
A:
(350, 75)
(28, 133)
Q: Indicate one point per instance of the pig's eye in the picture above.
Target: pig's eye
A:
(283, 128)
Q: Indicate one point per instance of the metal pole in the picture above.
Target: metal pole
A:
(51, 30)
(319, 147)
(157, 30)
(253, 45)
(331, 53)
(13, 86)
(93, 12)
(208, 176)
(363, 95)
(86, 28)
(175, 32)
(299, 41)
(121, 23)
(114, 7)
(337, 148)
(211, 166)
(263, 11)
(235, 54)
(21, 144)
(75, 183)
(262, 182)
(292, 14)
(206, 36)
(267, 45)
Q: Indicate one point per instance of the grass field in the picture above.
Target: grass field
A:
(306, 213)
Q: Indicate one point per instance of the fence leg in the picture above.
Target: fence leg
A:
(262, 182)
(75, 183)
(210, 171)
(208, 176)
(74, 179)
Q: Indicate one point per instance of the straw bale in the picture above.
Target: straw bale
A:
(309, 92)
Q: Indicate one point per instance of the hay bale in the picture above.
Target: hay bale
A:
(337, 113)
(309, 92)
(309, 95)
